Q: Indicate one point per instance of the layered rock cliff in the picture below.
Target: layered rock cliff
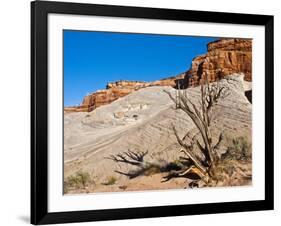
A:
(115, 90)
(224, 57)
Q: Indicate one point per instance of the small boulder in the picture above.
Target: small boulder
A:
(119, 114)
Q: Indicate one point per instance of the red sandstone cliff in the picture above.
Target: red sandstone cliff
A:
(224, 57)
(115, 90)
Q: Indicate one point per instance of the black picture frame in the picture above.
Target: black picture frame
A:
(39, 112)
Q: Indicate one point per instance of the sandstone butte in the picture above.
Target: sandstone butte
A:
(224, 57)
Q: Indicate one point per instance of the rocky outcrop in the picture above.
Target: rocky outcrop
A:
(224, 57)
(115, 90)
(102, 97)
(80, 108)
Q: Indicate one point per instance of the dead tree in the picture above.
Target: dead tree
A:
(201, 116)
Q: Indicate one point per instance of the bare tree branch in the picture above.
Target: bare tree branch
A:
(217, 145)
(201, 117)
(129, 157)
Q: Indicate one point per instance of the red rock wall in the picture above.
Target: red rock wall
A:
(224, 57)
(103, 97)
(115, 90)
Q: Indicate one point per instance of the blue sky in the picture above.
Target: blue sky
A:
(92, 59)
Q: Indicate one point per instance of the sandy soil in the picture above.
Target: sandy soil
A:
(141, 183)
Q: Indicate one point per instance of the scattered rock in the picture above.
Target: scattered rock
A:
(119, 114)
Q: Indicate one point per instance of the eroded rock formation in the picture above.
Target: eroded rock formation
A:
(115, 90)
(224, 57)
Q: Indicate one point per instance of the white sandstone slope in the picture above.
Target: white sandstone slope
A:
(143, 121)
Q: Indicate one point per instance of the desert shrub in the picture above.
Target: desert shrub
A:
(234, 166)
(110, 180)
(84, 177)
(231, 172)
(238, 149)
(79, 180)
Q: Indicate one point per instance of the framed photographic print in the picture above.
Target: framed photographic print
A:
(144, 112)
